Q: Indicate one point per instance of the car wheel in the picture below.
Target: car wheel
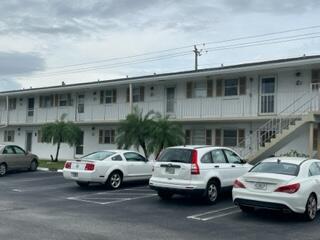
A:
(115, 180)
(82, 184)
(33, 165)
(165, 195)
(212, 192)
(3, 169)
(246, 209)
(311, 208)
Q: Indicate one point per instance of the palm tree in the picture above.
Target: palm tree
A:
(136, 130)
(165, 134)
(60, 132)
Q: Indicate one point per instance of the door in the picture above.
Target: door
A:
(170, 99)
(21, 157)
(137, 166)
(10, 158)
(236, 167)
(80, 107)
(30, 109)
(221, 165)
(79, 147)
(28, 141)
(267, 95)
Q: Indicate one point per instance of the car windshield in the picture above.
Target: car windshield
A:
(176, 155)
(277, 168)
(101, 155)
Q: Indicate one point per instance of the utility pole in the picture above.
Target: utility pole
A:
(197, 53)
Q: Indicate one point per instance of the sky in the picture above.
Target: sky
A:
(45, 42)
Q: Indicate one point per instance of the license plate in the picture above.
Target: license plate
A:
(74, 174)
(170, 170)
(260, 186)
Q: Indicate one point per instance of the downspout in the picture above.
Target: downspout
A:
(7, 106)
(130, 97)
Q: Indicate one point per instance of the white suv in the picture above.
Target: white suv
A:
(200, 170)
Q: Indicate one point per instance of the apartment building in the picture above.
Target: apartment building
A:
(260, 108)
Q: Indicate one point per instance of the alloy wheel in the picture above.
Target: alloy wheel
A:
(312, 207)
(212, 192)
(115, 180)
(3, 169)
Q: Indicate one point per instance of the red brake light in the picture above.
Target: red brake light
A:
(67, 165)
(292, 188)
(89, 167)
(195, 170)
(238, 184)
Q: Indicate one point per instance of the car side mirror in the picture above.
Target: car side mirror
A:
(243, 161)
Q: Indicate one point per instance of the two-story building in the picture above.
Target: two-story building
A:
(259, 108)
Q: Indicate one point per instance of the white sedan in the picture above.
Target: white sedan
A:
(110, 167)
(284, 183)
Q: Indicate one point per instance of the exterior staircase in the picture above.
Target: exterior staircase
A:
(279, 130)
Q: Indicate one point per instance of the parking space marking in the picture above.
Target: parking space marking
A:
(104, 198)
(205, 216)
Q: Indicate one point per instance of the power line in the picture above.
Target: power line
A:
(184, 53)
(188, 46)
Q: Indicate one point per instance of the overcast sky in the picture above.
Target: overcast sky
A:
(38, 37)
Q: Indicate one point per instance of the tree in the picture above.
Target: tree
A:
(165, 134)
(60, 132)
(136, 130)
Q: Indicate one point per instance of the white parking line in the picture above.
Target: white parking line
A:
(205, 216)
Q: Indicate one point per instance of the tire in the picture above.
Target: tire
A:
(165, 195)
(246, 209)
(3, 169)
(311, 208)
(212, 192)
(114, 180)
(33, 166)
(82, 184)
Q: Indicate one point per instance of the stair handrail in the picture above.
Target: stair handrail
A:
(292, 115)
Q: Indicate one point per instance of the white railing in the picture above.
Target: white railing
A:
(303, 105)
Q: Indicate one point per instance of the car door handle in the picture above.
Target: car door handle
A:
(233, 165)
(216, 166)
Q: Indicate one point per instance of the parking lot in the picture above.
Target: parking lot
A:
(42, 205)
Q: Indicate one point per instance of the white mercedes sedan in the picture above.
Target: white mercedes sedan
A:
(110, 167)
(289, 184)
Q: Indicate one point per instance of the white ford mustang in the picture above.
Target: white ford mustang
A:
(283, 183)
(110, 167)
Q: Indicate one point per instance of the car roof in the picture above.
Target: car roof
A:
(117, 150)
(293, 160)
(199, 147)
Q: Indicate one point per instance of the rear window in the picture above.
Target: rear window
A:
(277, 168)
(176, 155)
(101, 155)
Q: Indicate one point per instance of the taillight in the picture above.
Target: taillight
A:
(195, 170)
(292, 188)
(67, 165)
(238, 184)
(89, 167)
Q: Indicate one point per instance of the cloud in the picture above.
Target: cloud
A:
(13, 63)
(7, 84)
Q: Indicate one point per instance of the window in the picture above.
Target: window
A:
(314, 170)
(315, 76)
(137, 94)
(230, 87)
(9, 135)
(276, 168)
(80, 103)
(108, 96)
(208, 137)
(232, 157)
(218, 156)
(107, 136)
(175, 155)
(46, 101)
(65, 100)
(230, 137)
(134, 157)
(188, 137)
(12, 103)
(199, 89)
(100, 155)
(117, 158)
(79, 146)
(18, 150)
(8, 150)
(207, 158)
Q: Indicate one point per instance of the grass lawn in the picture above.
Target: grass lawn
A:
(51, 165)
